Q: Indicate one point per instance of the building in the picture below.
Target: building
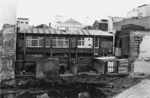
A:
(67, 25)
(101, 25)
(43, 26)
(74, 49)
(1, 38)
(112, 20)
(141, 11)
(23, 23)
(8, 45)
(133, 13)
(144, 22)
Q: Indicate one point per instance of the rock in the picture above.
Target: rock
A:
(43, 96)
(84, 95)
(10, 82)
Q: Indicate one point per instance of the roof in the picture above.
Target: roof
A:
(42, 26)
(74, 32)
(72, 21)
(42, 31)
(90, 32)
(116, 19)
(88, 27)
(23, 18)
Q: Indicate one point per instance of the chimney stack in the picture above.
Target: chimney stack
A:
(49, 24)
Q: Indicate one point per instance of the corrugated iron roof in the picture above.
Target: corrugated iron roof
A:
(42, 31)
(90, 32)
(74, 32)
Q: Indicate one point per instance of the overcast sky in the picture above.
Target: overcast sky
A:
(44, 11)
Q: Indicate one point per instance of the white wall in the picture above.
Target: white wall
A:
(142, 11)
(133, 13)
(148, 10)
(110, 24)
(23, 25)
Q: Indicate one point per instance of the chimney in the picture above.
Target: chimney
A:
(49, 24)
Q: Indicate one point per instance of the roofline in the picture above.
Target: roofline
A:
(142, 5)
(23, 18)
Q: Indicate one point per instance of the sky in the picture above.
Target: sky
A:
(84, 11)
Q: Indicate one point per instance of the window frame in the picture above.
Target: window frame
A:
(30, 39)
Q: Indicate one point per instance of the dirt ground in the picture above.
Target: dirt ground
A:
(96, 85)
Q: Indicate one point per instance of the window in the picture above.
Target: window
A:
(73, 42)
(34, 41)
(60, 42)
(81, 41)
(47, 41)
(18, 22)
(26, 22)
(22, 22)
(96, 42)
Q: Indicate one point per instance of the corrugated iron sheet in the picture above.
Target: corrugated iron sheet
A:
(75, 32)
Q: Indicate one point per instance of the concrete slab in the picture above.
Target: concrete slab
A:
(141, 90)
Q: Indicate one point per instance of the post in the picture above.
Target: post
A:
(93, 50)
(51, 47)
(99, 54)
(69, 52)
(24, 52)
(76, 55)
(44, 45)
(16, 48)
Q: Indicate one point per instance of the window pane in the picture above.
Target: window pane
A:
(73, 42)
(47, 41)
(41, 42)
(34, 37)
(28, 43)
(96, 42)
(34, 43)
(60, 43)
(83, 43)
(66, 44)
(54, 43)
(79, 42)
(60, 38)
